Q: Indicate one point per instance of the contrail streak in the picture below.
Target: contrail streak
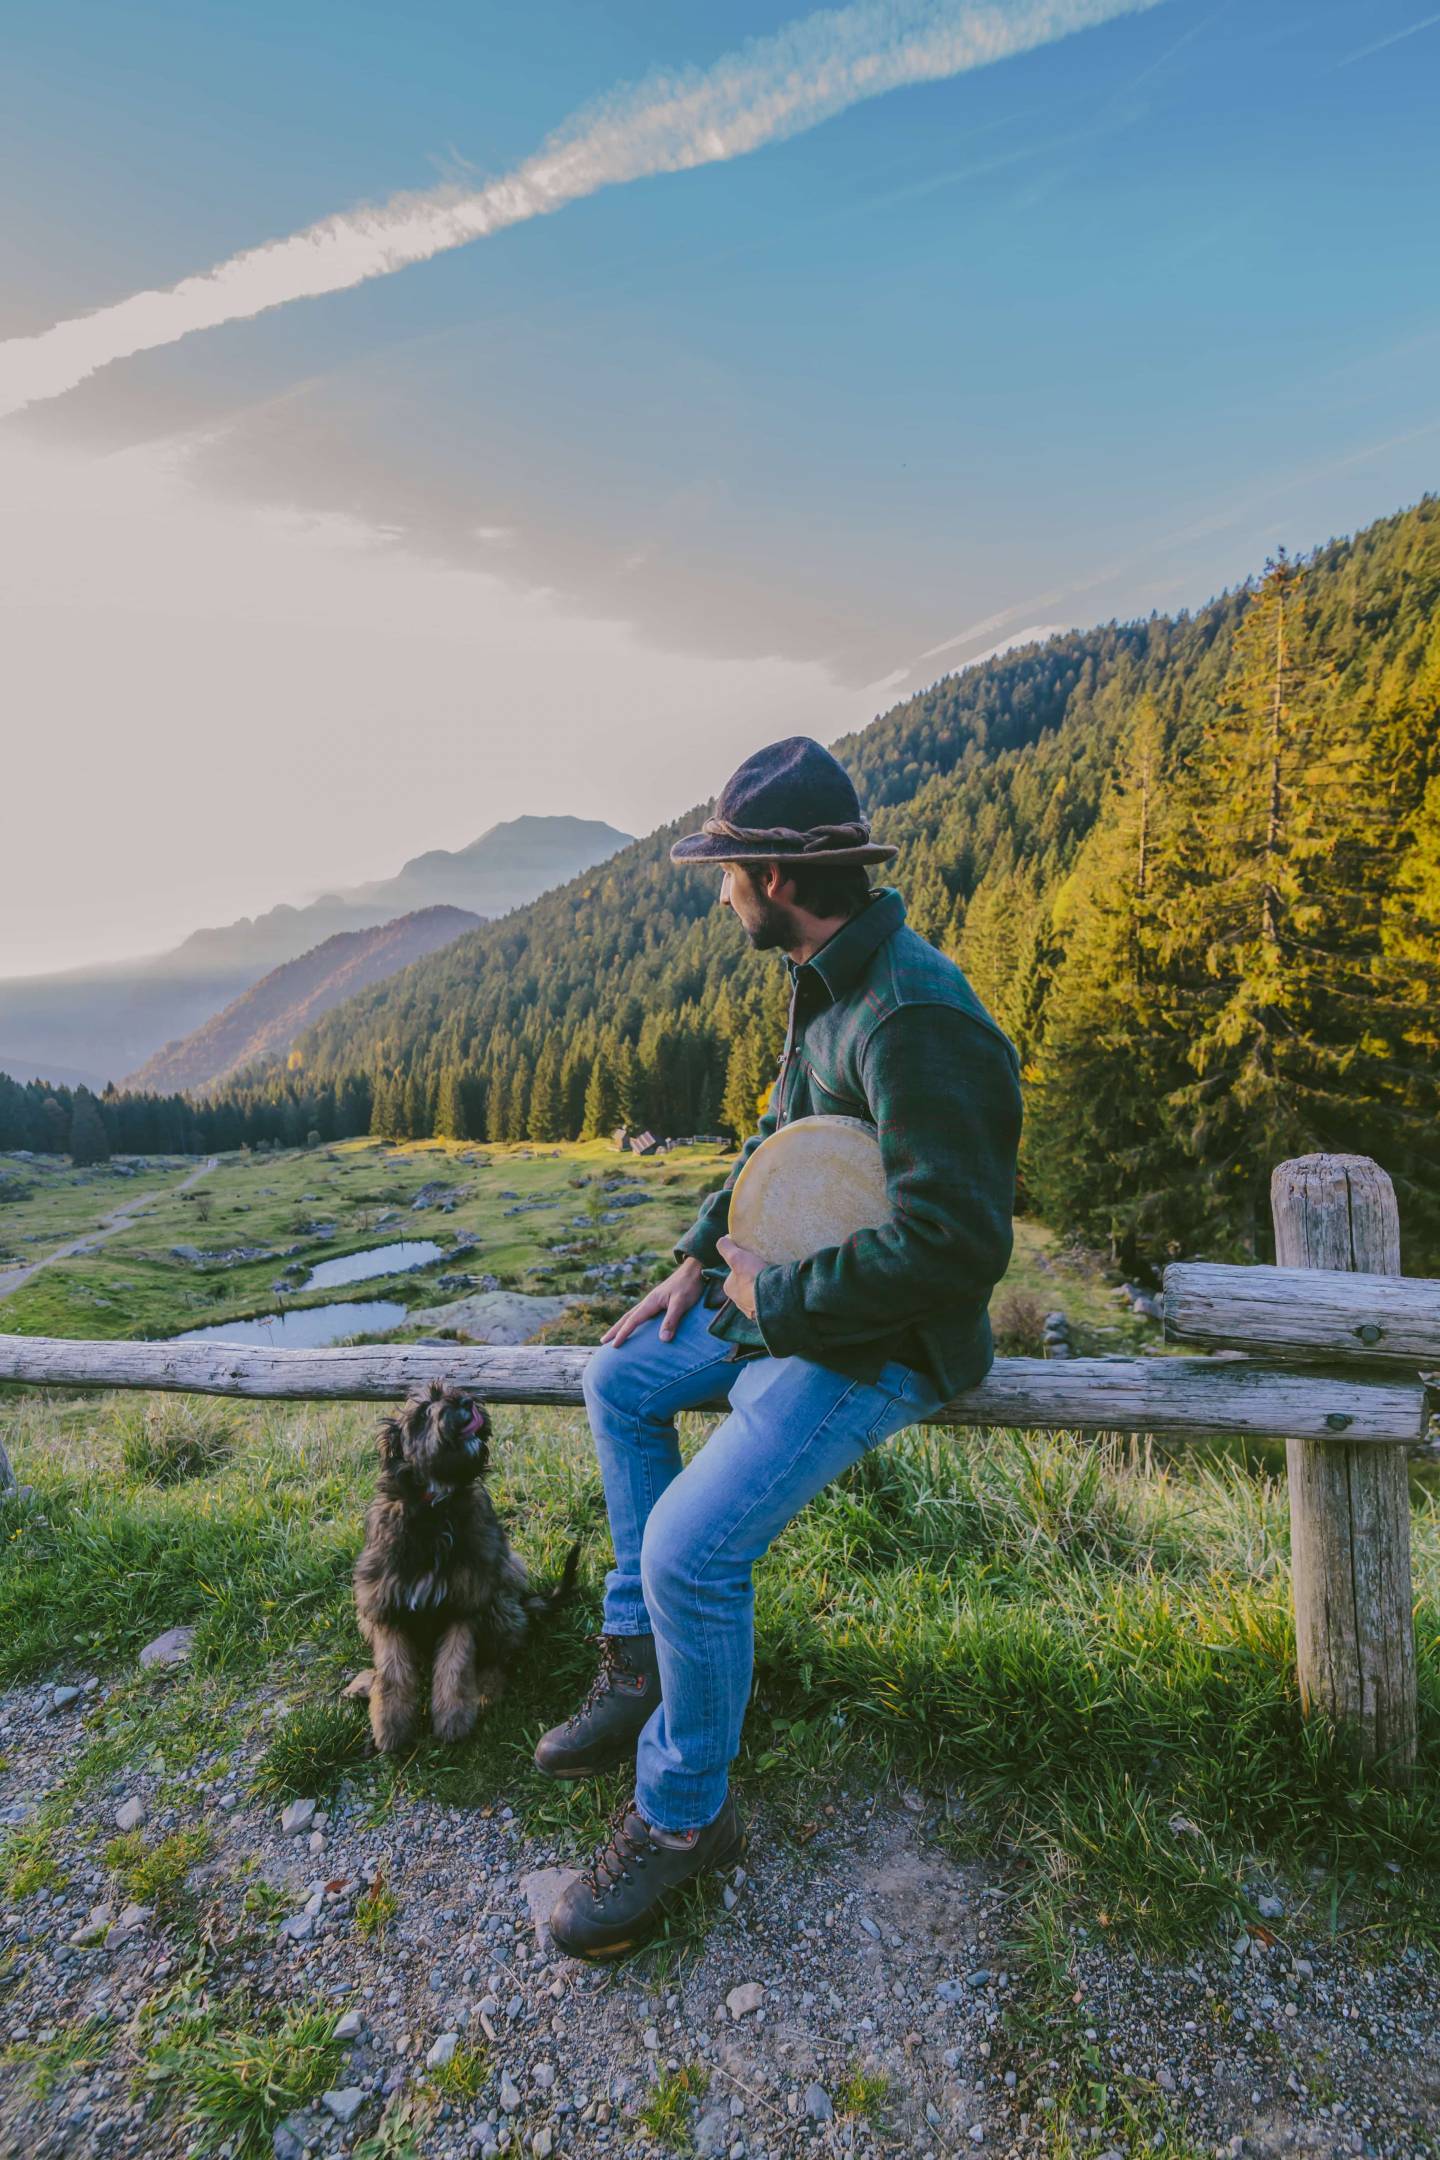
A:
(773, 87)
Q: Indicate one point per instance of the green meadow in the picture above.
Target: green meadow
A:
(1081, 1650)
(361, 1192)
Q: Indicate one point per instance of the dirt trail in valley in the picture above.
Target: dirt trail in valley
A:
(11, 1279)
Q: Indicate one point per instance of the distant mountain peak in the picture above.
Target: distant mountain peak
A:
(527, 835)
(105, 1021)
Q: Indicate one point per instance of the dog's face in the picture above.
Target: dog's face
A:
(439, 1439)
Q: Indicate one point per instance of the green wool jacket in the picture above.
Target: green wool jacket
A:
(885, 1028)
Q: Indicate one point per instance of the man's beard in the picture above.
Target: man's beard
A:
(774, 931)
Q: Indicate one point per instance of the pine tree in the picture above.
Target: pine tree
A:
(602, 1102)
(746, 1086)
(387, 1108)
(450, 1118)
(1002, 950)
(89, 1141)
(629, 1086)
(546, 1111)
(574, 1087)
(497, 1104)
(1098, 1155)
(417, 1109)
(517, 1099)
(1266, 934)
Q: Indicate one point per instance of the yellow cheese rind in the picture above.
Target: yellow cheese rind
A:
(810, 1185)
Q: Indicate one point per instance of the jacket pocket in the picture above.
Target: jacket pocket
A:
(833, 1099)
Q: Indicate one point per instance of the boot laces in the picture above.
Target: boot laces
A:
(613, 1662)
(621, 1849)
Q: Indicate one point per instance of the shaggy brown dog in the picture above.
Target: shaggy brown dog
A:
(437, 1582)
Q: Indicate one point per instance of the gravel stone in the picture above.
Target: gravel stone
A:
(171, 1648)
(1341, 2062)
(345, 2103)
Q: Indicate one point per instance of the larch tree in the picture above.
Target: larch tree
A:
(1096, 1152)
(1266, 941)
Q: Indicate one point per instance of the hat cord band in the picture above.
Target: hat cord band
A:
(818, 839)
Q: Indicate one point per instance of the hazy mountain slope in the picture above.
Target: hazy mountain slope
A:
(96, 1023)
(101, 1022)
(506, 867)
(265, 1019)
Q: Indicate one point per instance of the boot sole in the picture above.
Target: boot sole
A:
(578, 1777)
(602, 1953)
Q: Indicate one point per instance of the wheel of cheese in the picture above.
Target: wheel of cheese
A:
(811, 1184)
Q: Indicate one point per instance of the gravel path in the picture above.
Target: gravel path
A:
(13, 1278)
(866, 1950)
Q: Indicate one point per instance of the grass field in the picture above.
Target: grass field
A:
(1085, 1648)
(362, 1192)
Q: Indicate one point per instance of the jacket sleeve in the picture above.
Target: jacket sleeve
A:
(713, 1220)
(944, 1091)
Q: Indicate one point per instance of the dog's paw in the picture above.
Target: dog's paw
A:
(456, 1723)
(395, 1739)
(489, 1687)
(358, 1689)
(395, 1726)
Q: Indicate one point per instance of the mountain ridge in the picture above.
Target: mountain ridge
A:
(264, 1020)
(95, 1023)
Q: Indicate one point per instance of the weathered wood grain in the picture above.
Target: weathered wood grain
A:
(381, 1372)
(1349, 1506)
(1304, 1312)
(1178, 1398)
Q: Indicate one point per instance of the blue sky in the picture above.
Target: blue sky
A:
(1082, 333)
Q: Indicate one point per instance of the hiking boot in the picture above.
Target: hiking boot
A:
(617, 1904)
(605, 1728)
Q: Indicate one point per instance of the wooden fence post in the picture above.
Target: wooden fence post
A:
(1350, 1505)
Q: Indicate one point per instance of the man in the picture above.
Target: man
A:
(820, 1360)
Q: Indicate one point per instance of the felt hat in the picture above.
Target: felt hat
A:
(790, 802)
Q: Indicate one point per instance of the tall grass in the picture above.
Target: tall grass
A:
(1085, 1647)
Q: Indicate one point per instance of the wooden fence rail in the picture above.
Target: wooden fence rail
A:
(1177, 1398)
(1347, 1392)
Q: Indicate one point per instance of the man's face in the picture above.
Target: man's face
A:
(768, 923)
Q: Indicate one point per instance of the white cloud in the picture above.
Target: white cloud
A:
(1035, 635)
(772, 88)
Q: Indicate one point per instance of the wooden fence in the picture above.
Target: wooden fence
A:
(1327, 1351)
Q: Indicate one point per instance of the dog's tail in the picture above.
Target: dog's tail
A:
(541, 1602)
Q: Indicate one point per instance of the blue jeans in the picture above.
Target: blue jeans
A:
(687, 1539)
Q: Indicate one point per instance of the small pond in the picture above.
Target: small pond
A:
(376, 1260)
(310, 1328)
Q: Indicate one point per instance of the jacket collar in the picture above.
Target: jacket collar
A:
(839, 964)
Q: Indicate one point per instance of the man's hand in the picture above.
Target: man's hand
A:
(744, 1267)
(673, 1297)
